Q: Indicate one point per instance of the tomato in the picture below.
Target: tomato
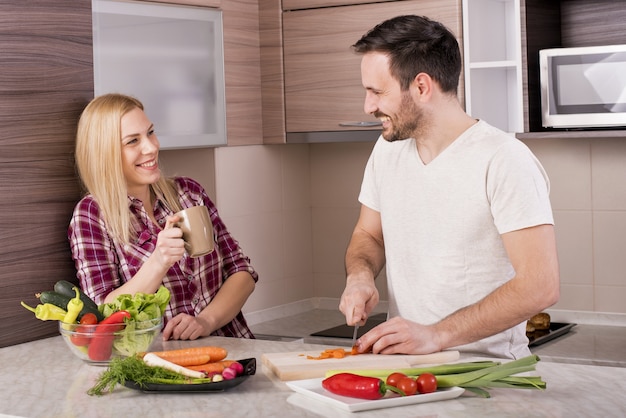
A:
(394, 378)
(81, 336)
(408, 386)
(89, 319)
(426, 383)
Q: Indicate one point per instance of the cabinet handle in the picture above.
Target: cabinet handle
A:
(361, 123)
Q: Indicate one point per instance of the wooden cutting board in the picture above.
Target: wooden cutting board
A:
(295, 365)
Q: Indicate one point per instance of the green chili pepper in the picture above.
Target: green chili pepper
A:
(74, 306)
(47, 312)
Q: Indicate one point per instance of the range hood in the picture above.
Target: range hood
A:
(348, 135)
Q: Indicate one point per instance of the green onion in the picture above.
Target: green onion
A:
(473, 376)
(443, 369)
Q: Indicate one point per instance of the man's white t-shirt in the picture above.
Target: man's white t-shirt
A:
(442, 223)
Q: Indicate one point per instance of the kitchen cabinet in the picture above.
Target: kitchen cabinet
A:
(493, 62)
(174, 63)
(244, 107)
(45, 81)
(312, 4)
(322, 80)
(565, 23)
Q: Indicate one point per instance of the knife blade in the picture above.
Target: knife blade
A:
(354, 335)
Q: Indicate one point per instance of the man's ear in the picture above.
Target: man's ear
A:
(422, 87)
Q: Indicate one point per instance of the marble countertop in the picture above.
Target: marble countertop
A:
(43, 379)
(585, 344)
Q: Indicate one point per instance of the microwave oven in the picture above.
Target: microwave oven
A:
(583, 87)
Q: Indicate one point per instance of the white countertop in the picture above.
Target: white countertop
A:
(42, 379)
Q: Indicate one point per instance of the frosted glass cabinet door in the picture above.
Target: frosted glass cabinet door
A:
(169, 57)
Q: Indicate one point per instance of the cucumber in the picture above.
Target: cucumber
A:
(62, 300)
(66, 288)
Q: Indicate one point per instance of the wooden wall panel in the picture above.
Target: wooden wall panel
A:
(46, 79)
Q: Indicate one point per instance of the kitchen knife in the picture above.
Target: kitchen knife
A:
(356, 329)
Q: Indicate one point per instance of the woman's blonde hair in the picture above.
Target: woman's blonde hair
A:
(99, 162)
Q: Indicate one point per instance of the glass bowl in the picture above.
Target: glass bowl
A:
(99, 344)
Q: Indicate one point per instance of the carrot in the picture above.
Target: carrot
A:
(330, 353)
(193, 355)
(186, 360)
(212, 367)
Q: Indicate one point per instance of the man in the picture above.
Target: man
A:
(457, 210)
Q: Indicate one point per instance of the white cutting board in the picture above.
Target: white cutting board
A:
(296, 366)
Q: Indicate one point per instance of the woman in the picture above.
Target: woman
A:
(122, 236)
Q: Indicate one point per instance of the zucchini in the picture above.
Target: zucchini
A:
(61, 300)
(66, 288)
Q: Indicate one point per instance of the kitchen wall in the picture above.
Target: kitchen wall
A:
(293, 207)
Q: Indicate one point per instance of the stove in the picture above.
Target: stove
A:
(342, 334)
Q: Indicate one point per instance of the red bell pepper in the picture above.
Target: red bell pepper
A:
(101, 345)
(355, 386)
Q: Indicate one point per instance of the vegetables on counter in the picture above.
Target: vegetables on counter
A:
(475, 377)
(101, 344)
(152, 359)
(117, 322)
(141, 306)
(74, 307)
(150, 367)
(355, 386)
(63, 287)
(193, 356)
(50, 296)
(46, 312)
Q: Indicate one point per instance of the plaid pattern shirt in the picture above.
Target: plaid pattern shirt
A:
(103, 264)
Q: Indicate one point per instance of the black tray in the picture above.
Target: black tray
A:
(556, 330)
(249, 368)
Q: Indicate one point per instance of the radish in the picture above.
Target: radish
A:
(229, 373)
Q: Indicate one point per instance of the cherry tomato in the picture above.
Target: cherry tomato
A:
(408, 386)
(426, 383)
(82, 335)
(394, 378)
(89, 319)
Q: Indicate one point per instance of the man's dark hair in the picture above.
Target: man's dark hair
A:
(416, 44)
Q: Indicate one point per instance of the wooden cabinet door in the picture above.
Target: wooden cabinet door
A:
(312, 4)
(323, 87)
(46, 79)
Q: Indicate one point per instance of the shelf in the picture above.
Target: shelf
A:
(573, 134)
(493, 64)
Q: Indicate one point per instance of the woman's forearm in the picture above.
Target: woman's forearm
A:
(228, 301)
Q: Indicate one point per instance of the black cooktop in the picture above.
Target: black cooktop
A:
(345, 331)
(556, 330)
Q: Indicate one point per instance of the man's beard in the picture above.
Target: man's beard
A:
(407, 122)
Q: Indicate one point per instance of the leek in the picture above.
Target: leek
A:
(443, 369)
(473, 376)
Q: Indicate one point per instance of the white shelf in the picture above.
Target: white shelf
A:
(493, 62)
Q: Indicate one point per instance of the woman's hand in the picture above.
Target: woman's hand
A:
(170, 246)
(185, 327)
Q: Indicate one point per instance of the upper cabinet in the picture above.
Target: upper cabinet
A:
(493, 62)
(312, 4)
(322, 78)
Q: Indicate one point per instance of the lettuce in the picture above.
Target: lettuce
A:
(141, 306)
(144, 308)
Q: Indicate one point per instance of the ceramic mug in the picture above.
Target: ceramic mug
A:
(197, 228)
